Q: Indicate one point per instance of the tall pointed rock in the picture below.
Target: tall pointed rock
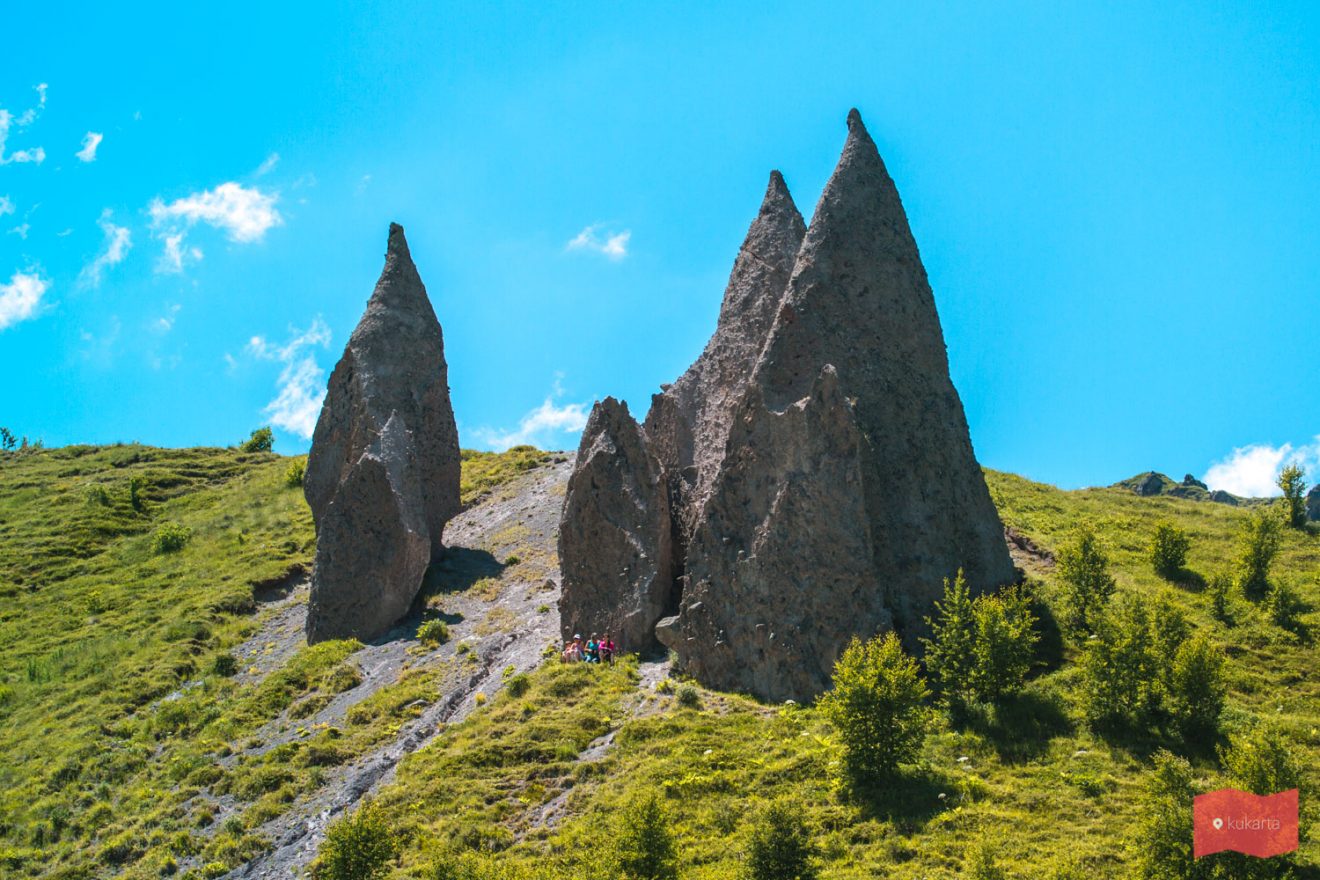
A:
(688, 425)
(373, 496)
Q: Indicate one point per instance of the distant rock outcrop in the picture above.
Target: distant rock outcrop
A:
(614, 539)
(383, 473)
(821, 478)
(1153, 483)
(1313, 504)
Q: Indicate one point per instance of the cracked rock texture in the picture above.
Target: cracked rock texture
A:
(382, 477)
(820, 475)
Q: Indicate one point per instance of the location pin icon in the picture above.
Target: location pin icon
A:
(1219, 824)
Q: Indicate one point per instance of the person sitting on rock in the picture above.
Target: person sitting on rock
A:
(607, 649)
(593, 649)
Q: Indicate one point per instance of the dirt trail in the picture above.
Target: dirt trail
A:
(498, 589)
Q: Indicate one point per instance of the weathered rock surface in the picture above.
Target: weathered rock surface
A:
(1313, 504)
(379, 495)
(614, 538)
(822, 478)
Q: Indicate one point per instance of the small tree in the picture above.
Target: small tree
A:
(1258, 543)
(262, 440)
(1292, 483)
(983, 863)
(780, 846)
(1161, 847)
(1284, 606)
(1120, 674)
(357, 847)
(1005, 644)
(1168, 551)
(951, 649)
(1087, 584)
(1196, 688)
(644, 847)
(1220, 589)
(293, 474)
(876, 705)
(1261, 760)
(7, 440)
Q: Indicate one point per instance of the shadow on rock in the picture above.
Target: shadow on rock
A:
(459, 569)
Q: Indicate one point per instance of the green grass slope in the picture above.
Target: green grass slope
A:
(118, 705)
(117, 694)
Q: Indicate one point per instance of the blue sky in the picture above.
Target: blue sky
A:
(1115, 204)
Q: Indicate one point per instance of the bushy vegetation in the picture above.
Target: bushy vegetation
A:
(484, 471)
(1292, 483)
(1168, 550)
(1087, 583)
(262, 440)
(293, 474)
(433, 632)
(644, 847)
(170, 537)
(877, 706)
(780, 845)
(981, 649)
(1258, 543)
(357, 847)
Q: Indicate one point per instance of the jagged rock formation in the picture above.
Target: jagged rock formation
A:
(614, 541)
(383, 473)
(1313, 504)
(1152, 483)
(821, 476)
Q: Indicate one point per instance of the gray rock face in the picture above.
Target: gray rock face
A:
(1313, 504)
(822, 477)
(614, 539)
(383, 473)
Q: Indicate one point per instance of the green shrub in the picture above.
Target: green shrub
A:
(1168, 550)
(136, 485)
(688, 697)
(293, 474)
(262, 440)
(1120, 673)
(982, 864)
(1161, 847)
(170, 537)
(1284, 606)
(224, 665)
(357, 847)
(433, 632)
(780, 846)
(644, 846)
(980, 649)
(1293, 485)
(97, 495)
(1087, 584)
(1261, 760)
(1220, 589)
(1258, 544)
(518, 685)
(1196, 688)
(876, 706)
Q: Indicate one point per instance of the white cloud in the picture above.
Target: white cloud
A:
(267, 166)
(118, 240)
(1250, 471)
(175, 254)
(6, 206)
(297, 405)
(165, 323)
(20, 297)
(539, 426)
(21, 230)
(245, 213)
(90, 142)
(34, 155)
(613, 245)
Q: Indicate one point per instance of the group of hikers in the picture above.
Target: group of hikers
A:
(593, 650)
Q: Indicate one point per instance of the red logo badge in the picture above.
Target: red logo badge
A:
(1258, 825)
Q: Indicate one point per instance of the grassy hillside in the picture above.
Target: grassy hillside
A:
(123, 719)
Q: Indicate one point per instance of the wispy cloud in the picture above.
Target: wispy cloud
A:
(34, 155)
(613, 245)
(118, 240)
(6, 206)
(301, 383)
(20, 298)
(1250, 471)
(244, 213)
(90, 142)
(165, 323)
(21, 230)
(547, 426)
(267, 166)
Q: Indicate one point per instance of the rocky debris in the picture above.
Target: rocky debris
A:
(383, 474)
(1313, 504)
(822, 479)
(1189, 480)
(614, 539)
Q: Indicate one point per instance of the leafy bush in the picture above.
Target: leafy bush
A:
(294, 473)
(97, 495)
(688, 697)
(1120, 674)
(518, 685)
(1161, 847)
(136, 484)
(980, 649)
(644, 847)
(982, 864)
(1258, 543)
(170, 537)
(780, 846)
(224, 665)
(262, 440)
(1220, 590)
(433, 632)
(1293, 485)
(357, 847)
(1084, 569)
(1261, 760)
(876, 706)
(1284, 606)
(1196, 688)
(1168, 550)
